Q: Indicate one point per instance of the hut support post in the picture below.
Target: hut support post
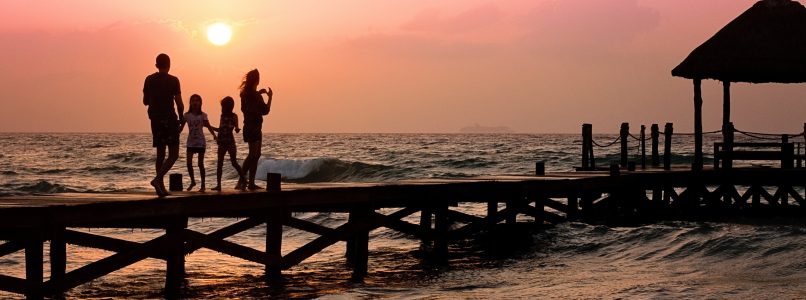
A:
(727, 134)
(667, 146)
(655, 134)
(697, 165)
(623, 133)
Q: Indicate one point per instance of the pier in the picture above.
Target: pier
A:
(617, 196)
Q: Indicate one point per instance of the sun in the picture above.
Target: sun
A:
(219, 33)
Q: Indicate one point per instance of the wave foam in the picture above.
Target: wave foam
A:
(325, 169)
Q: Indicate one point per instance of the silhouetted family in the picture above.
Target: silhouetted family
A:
(163, 96)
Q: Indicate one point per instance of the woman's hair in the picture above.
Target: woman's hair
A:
(227, 104)
(250, 81)
(194, 97)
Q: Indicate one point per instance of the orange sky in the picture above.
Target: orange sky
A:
(379, 66)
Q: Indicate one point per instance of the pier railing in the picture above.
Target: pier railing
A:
(753, 146)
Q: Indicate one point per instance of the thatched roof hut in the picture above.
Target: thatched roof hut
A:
(766, 43)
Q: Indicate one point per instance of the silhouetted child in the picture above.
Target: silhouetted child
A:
(226, 142)
(196, 119)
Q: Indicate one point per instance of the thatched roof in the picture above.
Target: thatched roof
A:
(767, 43)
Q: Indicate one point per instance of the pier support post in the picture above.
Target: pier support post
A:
(58, 260)
(33, 264)
(360, 242)
(512, 216)
(441, 233)
(624, 133)
(274, 244)
(573, 206)
(667, 146)
(425, 226)
(540, 205)
(655, 134)
(175, 256)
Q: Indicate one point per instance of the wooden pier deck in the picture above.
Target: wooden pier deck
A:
(27, 222)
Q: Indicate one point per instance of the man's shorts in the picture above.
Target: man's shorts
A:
(164, 133)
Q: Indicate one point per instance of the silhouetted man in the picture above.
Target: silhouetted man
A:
(160, 92)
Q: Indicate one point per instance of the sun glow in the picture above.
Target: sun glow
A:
(219, 33)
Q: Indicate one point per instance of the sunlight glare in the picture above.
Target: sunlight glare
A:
(219, 33)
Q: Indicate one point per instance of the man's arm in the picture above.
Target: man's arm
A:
(179, 107)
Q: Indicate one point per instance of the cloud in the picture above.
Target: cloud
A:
(474, 19)
(582, 25)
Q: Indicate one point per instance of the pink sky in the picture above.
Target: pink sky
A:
(379, 66)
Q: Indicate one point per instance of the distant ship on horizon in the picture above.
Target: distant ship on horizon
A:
(476, 128)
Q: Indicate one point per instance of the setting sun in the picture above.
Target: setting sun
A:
(219, 33)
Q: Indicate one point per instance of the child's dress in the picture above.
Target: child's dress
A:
(226, 140)
(196, 142)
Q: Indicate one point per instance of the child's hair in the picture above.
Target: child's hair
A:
(194, 97)
(227, 105)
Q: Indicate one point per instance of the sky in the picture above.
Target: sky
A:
(535, 66)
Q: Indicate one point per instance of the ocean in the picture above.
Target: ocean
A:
(751, 259)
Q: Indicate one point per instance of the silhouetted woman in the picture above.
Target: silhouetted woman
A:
(253, 109)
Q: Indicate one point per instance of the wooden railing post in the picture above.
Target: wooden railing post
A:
(788, 153)
(624, 133)
(643, 147)
(655, 134)
(667, 146)
(587, 148)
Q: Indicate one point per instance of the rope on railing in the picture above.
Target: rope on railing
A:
(767, 136)
(608, 145)
(706, 132)
(639, 139)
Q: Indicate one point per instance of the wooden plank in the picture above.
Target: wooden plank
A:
(402, 226)
(12, 284)
(102, 242)
(315, 246)
(556, 205)
(309, 226)
(229, 248)
(463, 217)
(110, 264)
(11, 247)
(228, 231)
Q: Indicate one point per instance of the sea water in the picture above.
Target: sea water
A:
(752, 260)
